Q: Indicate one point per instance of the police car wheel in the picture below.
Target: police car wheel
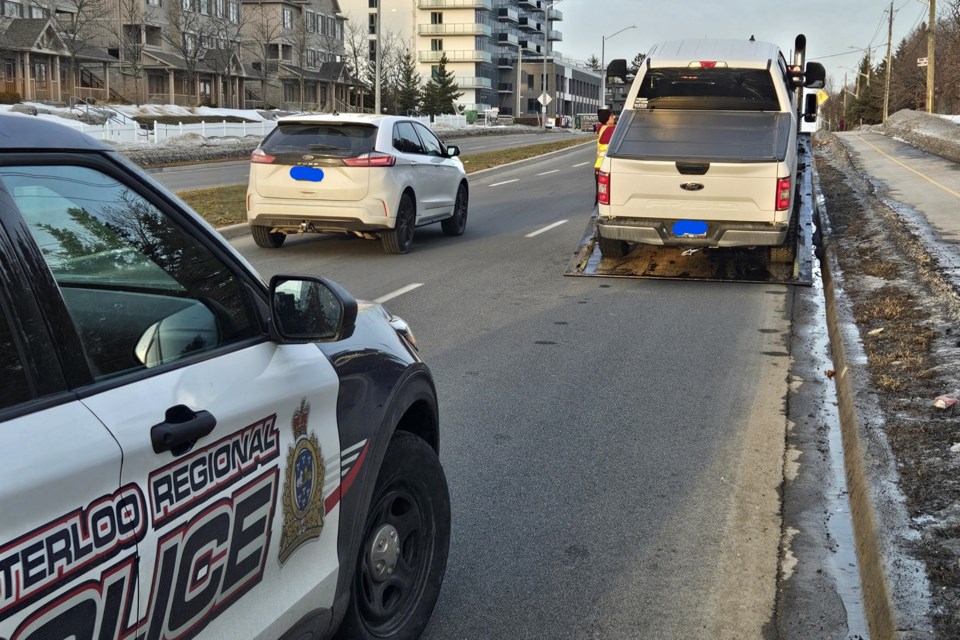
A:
(403, 555)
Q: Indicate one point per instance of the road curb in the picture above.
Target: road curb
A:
(894, 609)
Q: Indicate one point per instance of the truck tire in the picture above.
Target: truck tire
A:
(265, 238)
(403, 555)
(611, 248)
(786, 253)
(399, 239)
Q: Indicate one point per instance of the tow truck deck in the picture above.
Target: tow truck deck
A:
(739, 265)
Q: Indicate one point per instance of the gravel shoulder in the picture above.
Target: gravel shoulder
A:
(904, 311)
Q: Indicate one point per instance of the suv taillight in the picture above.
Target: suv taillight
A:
(259, 156)
(603, 188)
(372, 159)
(784, 185)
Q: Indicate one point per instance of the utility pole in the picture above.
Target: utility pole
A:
(886, 89)
(931, 30)
(519, 66)
(376, 81)
(845, 92)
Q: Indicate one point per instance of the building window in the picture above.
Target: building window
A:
(205, 7)
(339, 29)
(218, 6)
(311, 22)
(38, 12)
(186, 4)
(436, 17)
(372, 24)
(8, 70)
(529, 81)
(12, 9)
(435, 72)
(40, 73)
(436, 44)
(372, 4)
(311, 58)
(373, 51)
(234, 11)
(287, 18)
(153, 3)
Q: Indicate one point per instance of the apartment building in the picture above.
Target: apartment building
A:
(493, 48)
(231, 53)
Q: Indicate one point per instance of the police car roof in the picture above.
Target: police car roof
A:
(34, 132)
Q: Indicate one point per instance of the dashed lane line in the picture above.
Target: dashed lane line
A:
(546, 173)
(546, 228)
(580, 165)
(399, 292)
(497, 184)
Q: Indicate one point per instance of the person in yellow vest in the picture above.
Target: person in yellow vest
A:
(607, 123)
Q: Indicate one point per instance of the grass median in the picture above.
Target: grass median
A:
(221, 206)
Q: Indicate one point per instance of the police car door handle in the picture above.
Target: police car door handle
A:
(181, 428)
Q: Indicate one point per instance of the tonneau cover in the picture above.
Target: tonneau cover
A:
(701, 136)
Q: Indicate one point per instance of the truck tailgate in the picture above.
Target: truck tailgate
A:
(701, 136)
(728, 191)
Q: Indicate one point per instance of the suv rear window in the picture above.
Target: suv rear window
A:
(712, 89)
(321, 140)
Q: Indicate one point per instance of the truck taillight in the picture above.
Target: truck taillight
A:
(784, 186)
(259, 156)
(372, 159)
(603, 188)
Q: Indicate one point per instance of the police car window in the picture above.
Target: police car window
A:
(430, 141)
(140, 290)
(15, 388)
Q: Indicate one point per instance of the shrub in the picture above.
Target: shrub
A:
(9, 97)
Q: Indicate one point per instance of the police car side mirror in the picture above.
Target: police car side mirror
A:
(310, 309)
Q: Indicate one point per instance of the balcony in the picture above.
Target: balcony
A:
(455, 56)
(506, 63)
(456, 4)
(505, 87)
(457, 29)
(474, 83)
(554, 35)
(530, 45)
(508, 14)
(555, 15)
(507, 38)
(526, 24)
(529, 4)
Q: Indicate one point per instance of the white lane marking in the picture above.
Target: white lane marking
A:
(546, 173)
(580, 165)
(497, 184)
(398, 292)
(546, 228)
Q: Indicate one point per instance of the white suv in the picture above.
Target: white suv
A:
(372, 176)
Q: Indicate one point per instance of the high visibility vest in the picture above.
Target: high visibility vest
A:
(601, 148)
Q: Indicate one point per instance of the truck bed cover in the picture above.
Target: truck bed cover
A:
(701, 136)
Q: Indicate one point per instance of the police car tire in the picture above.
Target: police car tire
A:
(411, 488)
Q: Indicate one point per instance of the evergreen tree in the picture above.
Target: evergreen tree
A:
(408, 86)
(593, 62)
(441, 91)
(867, 107)
(637, 61)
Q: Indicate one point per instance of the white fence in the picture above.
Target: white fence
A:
(125, 133)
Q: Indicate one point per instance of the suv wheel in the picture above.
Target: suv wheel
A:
(264, 238)
(399, 239)
(403, 554)
(457, 223)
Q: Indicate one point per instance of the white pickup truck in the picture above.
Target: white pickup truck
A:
(705, 150)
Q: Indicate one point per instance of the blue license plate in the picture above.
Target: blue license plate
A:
(690, 229)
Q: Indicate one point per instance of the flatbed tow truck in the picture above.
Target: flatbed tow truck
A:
(739, 265)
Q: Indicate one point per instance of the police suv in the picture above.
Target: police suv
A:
(186, 450)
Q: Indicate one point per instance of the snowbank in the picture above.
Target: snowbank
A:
(936, 134)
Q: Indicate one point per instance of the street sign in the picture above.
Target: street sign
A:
(544, 99)
(922, 62)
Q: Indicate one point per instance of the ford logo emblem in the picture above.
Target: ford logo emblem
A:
(691, 186)
(311, 158)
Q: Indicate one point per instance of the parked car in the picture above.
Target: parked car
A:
(368, 175)
(186, 450)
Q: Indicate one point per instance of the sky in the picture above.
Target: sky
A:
(838, 31)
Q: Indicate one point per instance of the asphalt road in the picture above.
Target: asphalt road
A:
(614, 448)
(218, 174)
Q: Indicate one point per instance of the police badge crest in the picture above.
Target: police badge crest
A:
(303, 486)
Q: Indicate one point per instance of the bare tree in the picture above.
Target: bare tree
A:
(264, 28)
(226, 25)
(189, 35)
(78, 23)
(130, 39)
(357, 52)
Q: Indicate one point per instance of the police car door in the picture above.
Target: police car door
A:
(63, 515)
(231, 438)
